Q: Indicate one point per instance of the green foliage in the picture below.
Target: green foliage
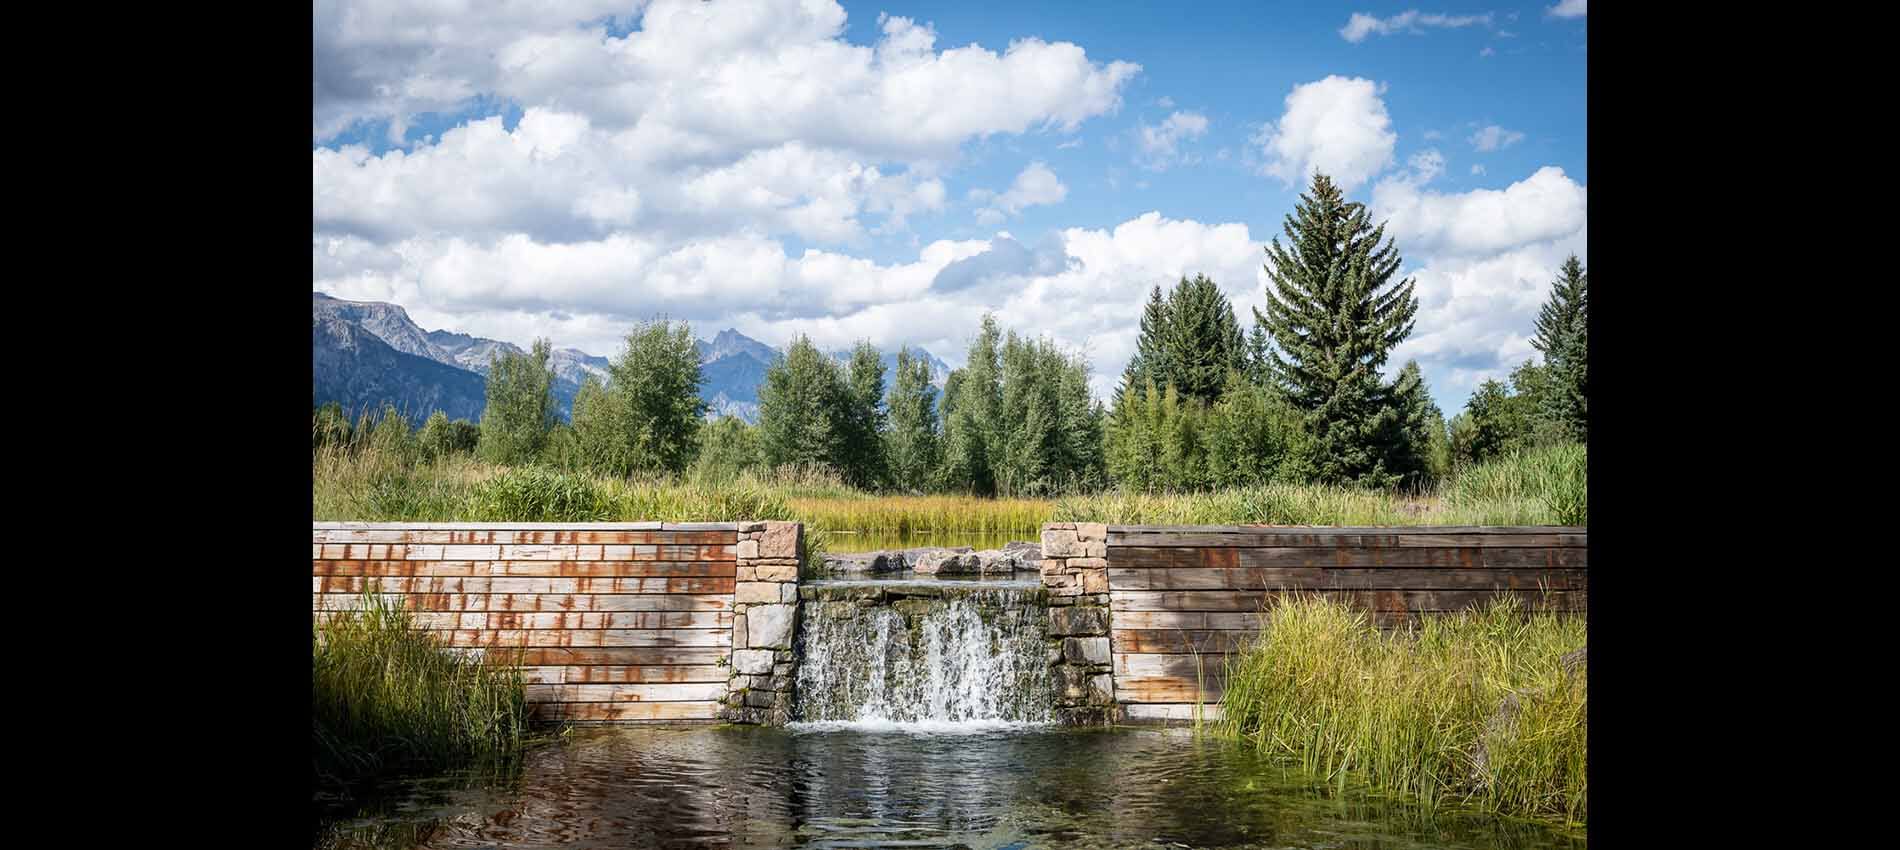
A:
(1411, 711)
(972, 416)
(520, 406)
(728, 447)
(386, 697)
(911, 445)
(1189, 341)
(1555, 477)
(1418, 424)
(1202, 340)
(647, 417)
(391, 436)
(1334, 315)
(329, 426)
(1563, 337)
(862, 420)
(538, 494)
(440, 437)
(1250, 432)
(801, 405)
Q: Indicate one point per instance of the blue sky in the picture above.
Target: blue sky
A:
(814, 169)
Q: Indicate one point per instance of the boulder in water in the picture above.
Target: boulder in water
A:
(1010, 558)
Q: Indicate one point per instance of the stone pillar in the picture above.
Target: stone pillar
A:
(764, 624)
(1075, 570)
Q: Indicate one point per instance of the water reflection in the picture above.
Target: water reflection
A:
(743, 787)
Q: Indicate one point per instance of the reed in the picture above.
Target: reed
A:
(1419, 712)
(387, 698)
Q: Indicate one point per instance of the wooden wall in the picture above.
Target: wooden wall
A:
(613, 621)
(1175, 591)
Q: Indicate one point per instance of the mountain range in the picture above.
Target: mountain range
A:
(365, 354)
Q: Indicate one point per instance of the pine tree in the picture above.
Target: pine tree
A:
(1418, 417)
(1335, 316)
(1563, 335)
(1201, 340)
(1150, 360)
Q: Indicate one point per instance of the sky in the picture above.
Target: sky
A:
(889, 171)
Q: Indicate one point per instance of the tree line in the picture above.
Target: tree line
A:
(1300, 397)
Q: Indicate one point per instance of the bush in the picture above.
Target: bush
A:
(538, 494)
(387, 698)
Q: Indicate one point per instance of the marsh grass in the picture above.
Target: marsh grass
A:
(1416, 712)
(386, 698)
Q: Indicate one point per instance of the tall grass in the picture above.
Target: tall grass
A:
(387, 698)
(1418, 712)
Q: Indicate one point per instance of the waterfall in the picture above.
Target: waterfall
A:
(930, 654)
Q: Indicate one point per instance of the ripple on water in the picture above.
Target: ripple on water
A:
(839, 786)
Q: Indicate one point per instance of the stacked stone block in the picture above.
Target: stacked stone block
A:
(1075, 570)
(764, 624)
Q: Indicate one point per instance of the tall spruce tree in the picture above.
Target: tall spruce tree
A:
(1334, 315)
(1201, 340)
(1151, 359)
(1563, 337)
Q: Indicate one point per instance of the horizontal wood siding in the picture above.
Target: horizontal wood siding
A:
(609, 622)
(1184, 598)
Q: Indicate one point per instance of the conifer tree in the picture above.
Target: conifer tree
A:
(1335, 314)
(1202, 340)
(1150, 360)
(1563, 334)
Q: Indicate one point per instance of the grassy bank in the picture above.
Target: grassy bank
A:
(388, 699)
(1541, 487)
(1418, 713)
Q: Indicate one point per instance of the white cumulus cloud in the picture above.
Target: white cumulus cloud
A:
(1337, 126)
(1159, 143)
(1569, 9)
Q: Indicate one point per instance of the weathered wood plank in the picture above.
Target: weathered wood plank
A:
(1549, 558)
(585, 638)
(497, 536)
(624, 711)
(614, 569)
(536, 602)
(1399, 530)
(1169, 713)
(1166, 689)
(604, 674)
(1352, 578)
(522, 584)
(616, 656)
(1334, 538)
(1142, 664)
(439, 620)
(671, 692)
(1180, 640)
(1159, 619)
(1150, 557)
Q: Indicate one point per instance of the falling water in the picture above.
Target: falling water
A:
(932, 654)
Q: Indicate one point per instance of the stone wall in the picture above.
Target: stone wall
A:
(764, 624)
(1075, 570)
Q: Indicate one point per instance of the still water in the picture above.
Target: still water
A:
(841, 785)
(873, 541)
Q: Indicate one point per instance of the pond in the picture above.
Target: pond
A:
(974, 785)
(873, 541)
